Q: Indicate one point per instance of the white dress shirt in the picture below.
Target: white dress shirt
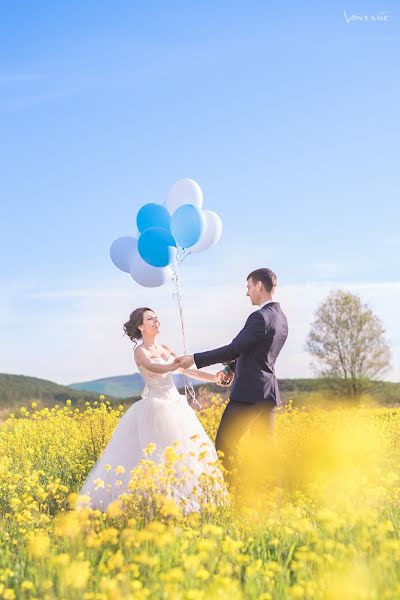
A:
(264, 303)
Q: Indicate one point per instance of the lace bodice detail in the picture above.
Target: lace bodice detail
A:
(157, 382)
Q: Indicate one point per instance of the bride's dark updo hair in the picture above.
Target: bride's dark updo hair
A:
(131, 327)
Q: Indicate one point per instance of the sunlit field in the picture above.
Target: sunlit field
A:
(315, 513)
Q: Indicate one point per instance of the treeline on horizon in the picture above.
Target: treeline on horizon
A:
(19, 391)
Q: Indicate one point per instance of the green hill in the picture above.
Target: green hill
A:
(122, 386)
(320, 391)
(19, 390)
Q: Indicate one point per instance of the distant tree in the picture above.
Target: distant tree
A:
(347, 341)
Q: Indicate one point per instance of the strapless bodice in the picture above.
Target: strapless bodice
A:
(157, 382)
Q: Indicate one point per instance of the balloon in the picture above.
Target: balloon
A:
(153, 215)
(149, 276)
(122, 252)
(211, 234)
(184, 191)
(187, 225)
(157, 247)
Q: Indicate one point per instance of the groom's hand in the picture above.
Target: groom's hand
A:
(185, 362)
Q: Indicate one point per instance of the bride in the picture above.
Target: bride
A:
(161, 418)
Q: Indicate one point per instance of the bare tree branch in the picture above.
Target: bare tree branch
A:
(347, 342)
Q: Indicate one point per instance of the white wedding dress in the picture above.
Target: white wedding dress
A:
(161, 417)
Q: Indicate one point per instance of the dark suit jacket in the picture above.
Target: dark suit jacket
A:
(255, 349)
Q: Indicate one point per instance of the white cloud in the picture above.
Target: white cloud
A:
(76, 334)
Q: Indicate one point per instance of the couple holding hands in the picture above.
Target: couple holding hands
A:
(163, 416)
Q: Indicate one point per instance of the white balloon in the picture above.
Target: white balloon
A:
(149, 276)
(122, 252)
(212, 232)
(184, 191)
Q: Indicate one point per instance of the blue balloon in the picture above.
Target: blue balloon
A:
(157, 247)
(153, 215)
(187, 225)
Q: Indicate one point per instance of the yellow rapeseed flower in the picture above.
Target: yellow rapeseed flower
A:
(76, 574)
(38, 544)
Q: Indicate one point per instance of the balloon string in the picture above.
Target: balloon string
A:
(189, 390)
(182, 258)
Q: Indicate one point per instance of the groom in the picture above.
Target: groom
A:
(255, 392)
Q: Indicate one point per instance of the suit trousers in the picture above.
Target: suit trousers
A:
(237, 419)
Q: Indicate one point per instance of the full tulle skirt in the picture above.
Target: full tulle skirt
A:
(161, 419)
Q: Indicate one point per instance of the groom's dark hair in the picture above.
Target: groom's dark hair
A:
(266, 276)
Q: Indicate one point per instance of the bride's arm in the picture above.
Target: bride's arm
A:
(194, 373)
(200, 375)
(142, 358)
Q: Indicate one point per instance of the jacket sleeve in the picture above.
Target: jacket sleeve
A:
(250, 335)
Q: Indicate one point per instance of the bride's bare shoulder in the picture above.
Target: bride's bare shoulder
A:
(140, 353)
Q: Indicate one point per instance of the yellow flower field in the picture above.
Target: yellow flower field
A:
(316, 514)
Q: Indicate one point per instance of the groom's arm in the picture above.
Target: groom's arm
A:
(251, 333)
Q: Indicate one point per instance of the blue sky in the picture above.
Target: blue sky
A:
(286, 115)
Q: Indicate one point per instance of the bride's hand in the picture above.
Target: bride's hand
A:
(175, 364)
(223, 379)
(185, 362)
(219, 377)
